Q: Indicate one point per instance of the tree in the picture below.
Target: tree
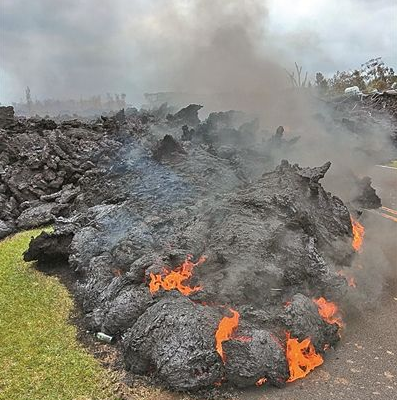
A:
(373, 74)
(377, 75)
(342, 80)
(321, 82)
(297, 81)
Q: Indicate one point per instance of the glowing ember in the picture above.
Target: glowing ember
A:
(174, 279)
(302, 358)
(350, 279)
(245, 339)
(358, 234)
(351, 282)
(225, 330)
(260, 381)
(328, 311)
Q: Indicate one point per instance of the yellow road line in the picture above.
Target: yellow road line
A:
(389, 217)
(390, 210)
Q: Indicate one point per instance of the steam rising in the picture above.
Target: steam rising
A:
(196, 46)
(70, 48)
(208, 47)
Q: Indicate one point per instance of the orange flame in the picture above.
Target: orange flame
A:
(328, 311)
(174, 279)
(358, 234)
(302, 358)
(225, 330)
(260, 381)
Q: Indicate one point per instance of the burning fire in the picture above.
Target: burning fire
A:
(174, 279)
(260, 381)
(302, 358)
(225, 330)
(358, 234)
(328, 311)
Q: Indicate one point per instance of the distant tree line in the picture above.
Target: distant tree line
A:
(372, 75)
(83, 106)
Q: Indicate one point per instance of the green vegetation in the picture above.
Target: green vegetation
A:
(39, 355)
(372, 75)
(393, 164)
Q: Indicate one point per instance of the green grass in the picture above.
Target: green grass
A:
(39, 355)
(393, 164)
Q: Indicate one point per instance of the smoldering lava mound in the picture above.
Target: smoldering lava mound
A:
(278, 240)
(273, 242)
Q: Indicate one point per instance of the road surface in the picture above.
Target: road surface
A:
(364, 364)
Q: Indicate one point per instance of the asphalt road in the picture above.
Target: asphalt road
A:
(364, 364)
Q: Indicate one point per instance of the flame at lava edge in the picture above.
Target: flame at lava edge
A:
(328, 311)
(174, 279)
(358, 234)
(260, 381)
(302, 357)
(226, 327)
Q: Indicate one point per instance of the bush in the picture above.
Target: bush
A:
(373, 74)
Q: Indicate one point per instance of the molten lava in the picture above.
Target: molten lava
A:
(260, 381)
(302, 358)
(358, 234)
(174, 279)
(225, 330)
(328, 311)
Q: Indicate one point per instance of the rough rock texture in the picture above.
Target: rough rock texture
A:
(5, 230)
(366, 196)
(188, 115)
(6, 116)
(45, 166)
(301, 317)
(261, 356)
(273, 238)
(176, 337)
(279, 232)
(50, 248)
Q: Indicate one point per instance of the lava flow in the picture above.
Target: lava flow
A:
(225, 330)
(302, 358)
(358, 234)
(174, 279)
(328, 311)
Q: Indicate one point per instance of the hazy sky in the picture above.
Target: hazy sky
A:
(73, 48)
